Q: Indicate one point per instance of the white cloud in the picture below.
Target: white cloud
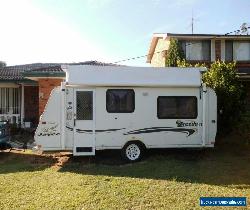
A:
(30, 35)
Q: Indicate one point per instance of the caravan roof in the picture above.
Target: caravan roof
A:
(132, 76)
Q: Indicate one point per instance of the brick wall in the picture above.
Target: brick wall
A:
(158, 59)
(31, 104)
(45, 87)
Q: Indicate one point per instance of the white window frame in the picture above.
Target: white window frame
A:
(194, 50)
(241, 51)
(191, 47)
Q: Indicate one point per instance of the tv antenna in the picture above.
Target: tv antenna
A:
(244, 29)
(192, 22)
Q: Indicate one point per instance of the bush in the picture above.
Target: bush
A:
(14, 129)
(242, 129)
(223, 78)
(174, 53)
(183, 63)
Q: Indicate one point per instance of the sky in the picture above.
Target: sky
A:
(105, 30)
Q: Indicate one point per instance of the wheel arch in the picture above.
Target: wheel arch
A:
(144, 146)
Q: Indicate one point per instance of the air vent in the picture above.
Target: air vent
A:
(83, 149)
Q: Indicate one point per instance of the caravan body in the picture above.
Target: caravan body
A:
(107, 107)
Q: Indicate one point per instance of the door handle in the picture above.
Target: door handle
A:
(213, 121)
(74, 122)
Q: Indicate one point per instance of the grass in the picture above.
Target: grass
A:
(166, 179)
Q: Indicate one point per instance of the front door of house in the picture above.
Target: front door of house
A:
(84, 122)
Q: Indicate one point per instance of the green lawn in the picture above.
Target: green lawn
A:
(166, 179)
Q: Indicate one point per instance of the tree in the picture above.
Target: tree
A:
(223, 78)
(174, 53)
(2, 64)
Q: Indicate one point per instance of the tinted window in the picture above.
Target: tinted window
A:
(228, 50)
(177, 107)
(120, 100)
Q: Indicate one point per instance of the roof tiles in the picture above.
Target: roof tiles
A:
(15, 73)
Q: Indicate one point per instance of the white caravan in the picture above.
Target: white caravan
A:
(128, 108)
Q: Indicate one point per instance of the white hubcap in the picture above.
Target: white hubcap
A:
(133, 152)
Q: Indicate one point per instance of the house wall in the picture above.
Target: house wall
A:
(158, 59)
(217, 53)
(31, 104)
(45, 87)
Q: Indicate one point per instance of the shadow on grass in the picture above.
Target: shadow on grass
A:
(11, 162)
(224, 166)
(221, 166)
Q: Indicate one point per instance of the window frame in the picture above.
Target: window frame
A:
(158, 106)
(186, 43)
(229, 43)
(92, 103)
(234, 50)
(116, 89)
(233, 53)
(10, 102)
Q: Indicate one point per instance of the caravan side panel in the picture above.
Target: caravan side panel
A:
(69, 115)
(48, 132)
(211, 117)
(113, 130)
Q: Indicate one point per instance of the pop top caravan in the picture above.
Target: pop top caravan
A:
(128, 108)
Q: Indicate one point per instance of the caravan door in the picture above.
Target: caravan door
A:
(84, 122)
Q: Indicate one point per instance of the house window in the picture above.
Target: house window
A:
(197, 50)
(237, 50)
(10, 100)
(228, 50)
(120, 100)
(177, 107)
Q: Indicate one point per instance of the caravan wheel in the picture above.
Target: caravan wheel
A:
(132, 151)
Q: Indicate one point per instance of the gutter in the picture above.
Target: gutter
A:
(43, 74)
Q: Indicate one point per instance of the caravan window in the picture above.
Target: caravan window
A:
(120, 100)
(177, 107)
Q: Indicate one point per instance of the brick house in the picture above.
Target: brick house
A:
(206, 48)
(25, 89)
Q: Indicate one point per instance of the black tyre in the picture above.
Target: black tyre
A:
(133, 151)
